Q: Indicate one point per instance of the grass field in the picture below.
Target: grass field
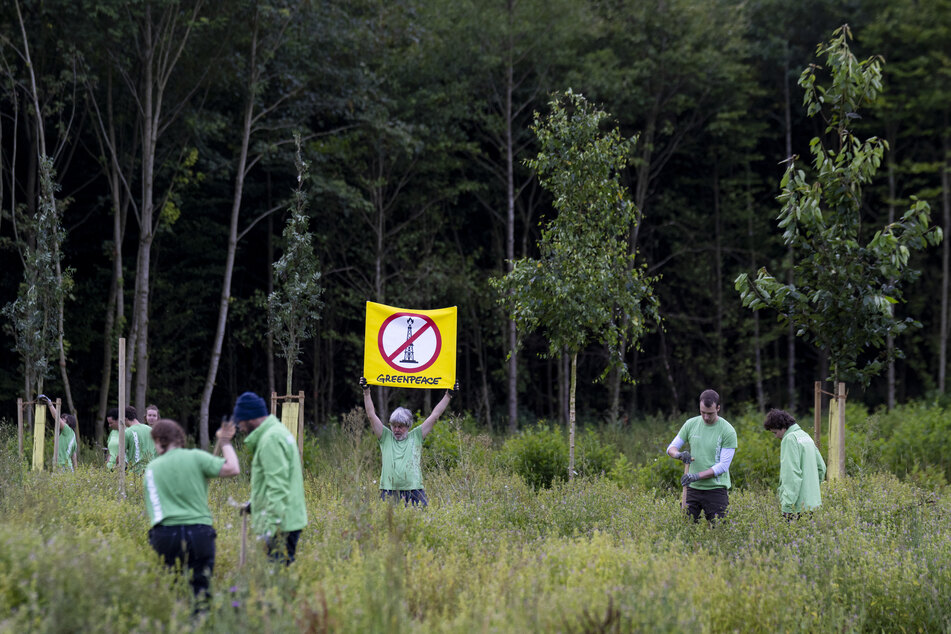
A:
(604, 553)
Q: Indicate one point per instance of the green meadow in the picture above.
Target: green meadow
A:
(506, 544)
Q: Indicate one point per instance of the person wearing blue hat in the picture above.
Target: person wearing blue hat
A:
(277, 508)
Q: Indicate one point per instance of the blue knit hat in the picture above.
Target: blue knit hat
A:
(249, 406)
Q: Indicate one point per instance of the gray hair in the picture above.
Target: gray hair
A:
(401, 416)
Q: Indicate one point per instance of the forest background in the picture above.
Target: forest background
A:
(170, 130)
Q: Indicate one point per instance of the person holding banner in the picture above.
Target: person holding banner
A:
(401, 449)
(277, 507)
(175, 486)
(68, 450)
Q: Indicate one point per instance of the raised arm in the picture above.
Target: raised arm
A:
(224, 435)
(375, 423)
(49, 404)
(441, 406)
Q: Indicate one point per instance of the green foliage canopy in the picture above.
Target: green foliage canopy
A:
(843, 290)
(585, 285)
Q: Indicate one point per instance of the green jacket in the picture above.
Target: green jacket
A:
(277, 484)
(801, 469)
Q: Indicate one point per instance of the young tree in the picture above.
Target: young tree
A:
(293, 307)
(843, 289)
(585, 285)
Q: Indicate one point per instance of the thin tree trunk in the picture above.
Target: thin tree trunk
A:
(791, 332)
(511, 329)
(945, 263)
(890, 340)
(224, 298)
(571, 415)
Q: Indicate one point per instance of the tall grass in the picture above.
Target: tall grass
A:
(493, 553)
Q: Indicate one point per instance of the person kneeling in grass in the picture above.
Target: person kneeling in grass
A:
(176, 499)
(801, 467)
(401, 449)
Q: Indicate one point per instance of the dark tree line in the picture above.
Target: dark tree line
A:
(168, 127)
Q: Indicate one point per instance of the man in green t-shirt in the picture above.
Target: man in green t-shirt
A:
(278, 509)
(175, 486)
(712, 443)
(140, 449)
(801, 467)
(401, 449)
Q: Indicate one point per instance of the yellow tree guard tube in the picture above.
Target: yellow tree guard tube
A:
(39, 437)
(289, 414)
(834, 472)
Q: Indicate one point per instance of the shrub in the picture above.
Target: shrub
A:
(539, 455)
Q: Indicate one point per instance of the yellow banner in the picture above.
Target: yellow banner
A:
(410, 348)
(39, 437)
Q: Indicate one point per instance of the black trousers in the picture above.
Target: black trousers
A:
(192, 545)
(713, 503)
(282, 548)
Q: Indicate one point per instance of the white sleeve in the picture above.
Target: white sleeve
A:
(726, 457)
(677, 443)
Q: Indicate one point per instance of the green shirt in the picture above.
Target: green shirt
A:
(67, 447)
(401, 458)
(113, 445)
(801, 469)
(175, 486)
(140, 449)
(277, 483)
(706, 441)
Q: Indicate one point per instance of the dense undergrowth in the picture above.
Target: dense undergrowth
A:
(503, 547)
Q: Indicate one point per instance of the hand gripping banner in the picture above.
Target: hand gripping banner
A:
(410, 348)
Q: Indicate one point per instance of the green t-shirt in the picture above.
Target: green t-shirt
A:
(705, 442)
(175, 486)
(67, 447)
(140, 449)
(401, 458)
(113, 445)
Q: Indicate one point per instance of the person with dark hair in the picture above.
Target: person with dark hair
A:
(151, 414)
(67, 456)
(401, 449)
(175, 486)
(713, 444)
(112, 443)
(278, 510)
(801, 467)
(140, 450)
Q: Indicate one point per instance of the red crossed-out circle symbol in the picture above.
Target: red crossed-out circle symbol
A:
(426, 342)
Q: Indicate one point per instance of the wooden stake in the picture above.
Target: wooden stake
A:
(817, 408)
(841, 423)
(20, 427)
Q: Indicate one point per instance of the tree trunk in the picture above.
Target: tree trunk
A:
(224, 298)
(890, 340)
(511, 329)
(571, 415)
(945, 263)
(791, 333)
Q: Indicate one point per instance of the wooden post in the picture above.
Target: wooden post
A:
(20, 427)
(55, 435)
(841, 424)
(300, 426)
(120, 461)
(817, 408)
